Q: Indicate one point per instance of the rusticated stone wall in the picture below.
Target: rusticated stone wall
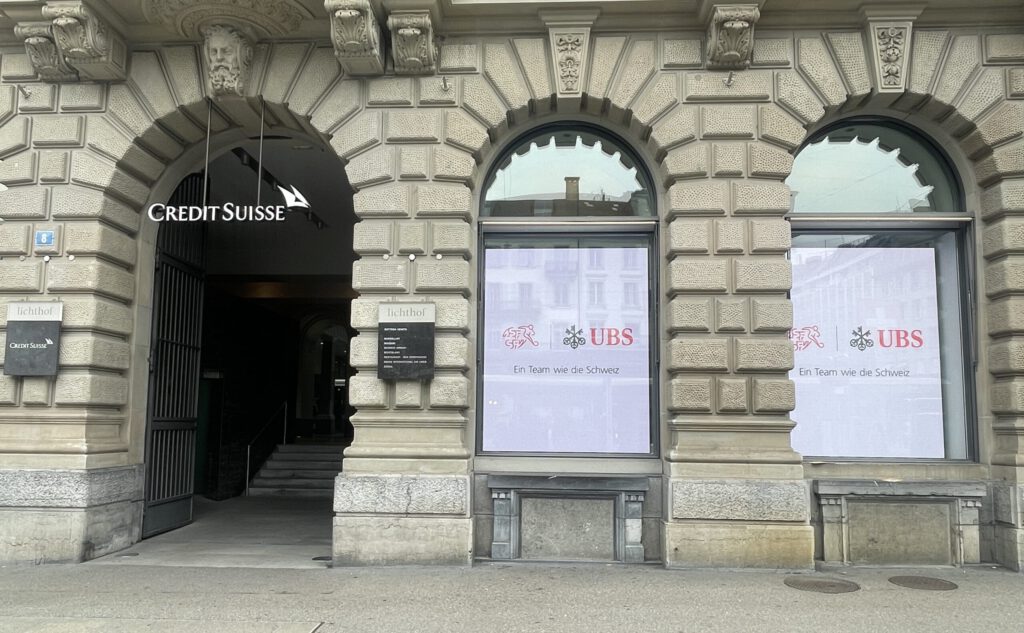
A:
(85, 158)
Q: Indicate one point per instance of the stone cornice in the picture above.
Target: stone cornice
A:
(495, 17)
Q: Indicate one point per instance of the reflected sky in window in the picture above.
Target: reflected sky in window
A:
(540, 173)
(856, 176)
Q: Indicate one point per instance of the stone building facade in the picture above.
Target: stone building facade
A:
(104, 108)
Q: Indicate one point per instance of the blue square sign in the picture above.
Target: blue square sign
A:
(44, 238)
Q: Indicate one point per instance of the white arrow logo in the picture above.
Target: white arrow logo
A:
(293, 199)
(49, 342)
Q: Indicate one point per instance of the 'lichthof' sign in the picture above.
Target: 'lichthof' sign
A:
(405, 344)
(33, 338)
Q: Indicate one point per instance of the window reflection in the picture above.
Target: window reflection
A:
(871, 169)
(568, 173)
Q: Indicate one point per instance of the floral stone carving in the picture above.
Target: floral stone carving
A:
(890, 41)
(569, 59)
(43, 53)
(263, 17)
(412, 42)
(77, 42)
(355, 34)
(731, 36)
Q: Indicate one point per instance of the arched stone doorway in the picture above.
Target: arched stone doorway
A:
(231, 296)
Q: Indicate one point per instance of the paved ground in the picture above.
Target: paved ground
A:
(241, 532)
(161, 593)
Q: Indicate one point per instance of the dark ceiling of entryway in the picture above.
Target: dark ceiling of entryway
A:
(315, 243)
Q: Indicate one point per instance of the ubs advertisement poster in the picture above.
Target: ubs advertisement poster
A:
(866, 342)
(567, 356)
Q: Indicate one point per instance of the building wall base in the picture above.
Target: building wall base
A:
(395, 540)
(736, 545)
(402, 520)
(61, 516)
(1008, 532)
(68, 535)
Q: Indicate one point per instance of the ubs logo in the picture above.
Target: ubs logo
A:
(611, 337)
(896, 338)
(599, 337)
(900, 338)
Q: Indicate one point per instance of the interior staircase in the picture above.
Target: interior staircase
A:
(299, 470)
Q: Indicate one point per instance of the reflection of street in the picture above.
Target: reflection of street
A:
(584, 387)
(861, 392)
(566, 413)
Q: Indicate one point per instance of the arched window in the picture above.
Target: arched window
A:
(568, 172)
(880, 330)
(569, 282)
(872, 168)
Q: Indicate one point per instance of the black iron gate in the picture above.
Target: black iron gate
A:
(174, 366)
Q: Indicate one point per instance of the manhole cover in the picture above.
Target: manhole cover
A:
(923, 582)
(821, 585)
(321, 558)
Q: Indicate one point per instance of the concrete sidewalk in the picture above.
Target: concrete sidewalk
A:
(246, 566)
(504, 597)
(240, 532)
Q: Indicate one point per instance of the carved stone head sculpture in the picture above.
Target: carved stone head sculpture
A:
(228, 55)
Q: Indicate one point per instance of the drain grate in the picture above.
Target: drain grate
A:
(321, 558)
(926, 583)
(127, 554)
(821, 585)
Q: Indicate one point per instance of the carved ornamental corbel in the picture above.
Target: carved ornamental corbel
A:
(412, 42)
(731, 36)
(355, 34)
(227, 54)
(88, 43)
(43, 53)
(889, 29)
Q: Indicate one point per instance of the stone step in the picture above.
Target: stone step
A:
(298, 464)
(290, 482)
(299, 470)
(311, 448)
(299, 473)
(321, 493)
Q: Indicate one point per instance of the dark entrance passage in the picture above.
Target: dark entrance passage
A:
(249, 363)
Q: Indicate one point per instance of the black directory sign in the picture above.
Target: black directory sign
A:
(33, 338)
(405, 343)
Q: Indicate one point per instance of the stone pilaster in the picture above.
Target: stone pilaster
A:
(409, 464)
(736, 496)
(1003, 243)
(70, 490)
